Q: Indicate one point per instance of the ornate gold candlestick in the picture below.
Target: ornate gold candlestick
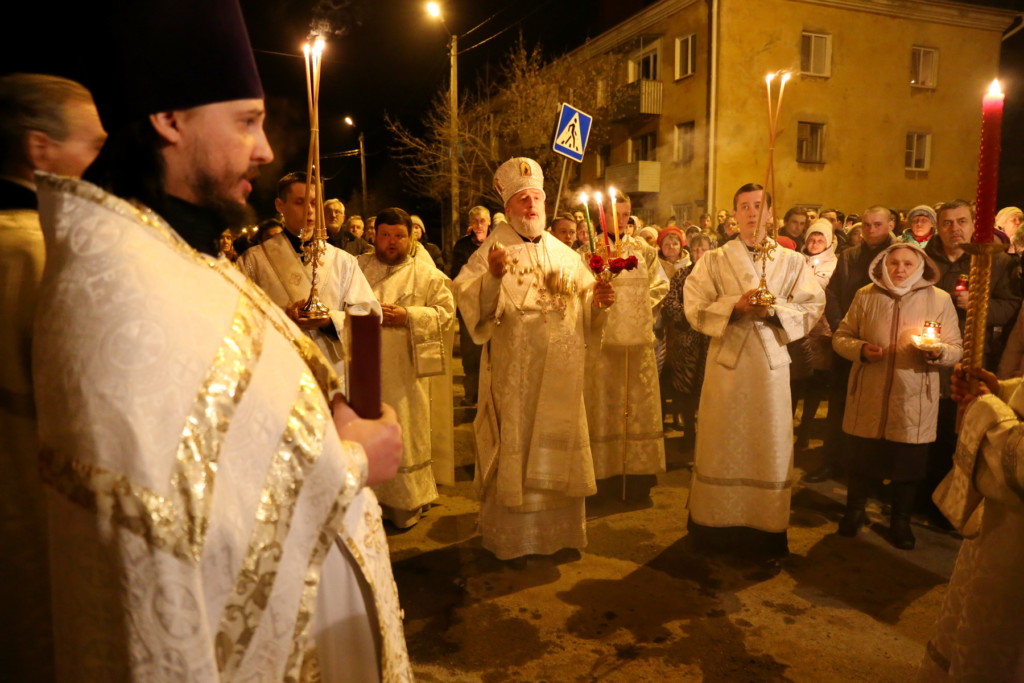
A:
(314, 248)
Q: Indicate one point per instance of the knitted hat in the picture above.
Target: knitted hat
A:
(923, 210)
(823, 226)
(671, 230)
(518, 174)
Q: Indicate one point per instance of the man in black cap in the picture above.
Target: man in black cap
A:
(208, 499)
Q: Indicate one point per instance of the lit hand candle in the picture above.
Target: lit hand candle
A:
(599, 198)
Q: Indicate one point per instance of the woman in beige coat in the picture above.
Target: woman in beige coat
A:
(893, 395)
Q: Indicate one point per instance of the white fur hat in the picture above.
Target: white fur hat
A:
(518, 174)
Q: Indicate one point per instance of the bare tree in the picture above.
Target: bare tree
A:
(515, 118)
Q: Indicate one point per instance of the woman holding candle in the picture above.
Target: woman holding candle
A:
(893, 396)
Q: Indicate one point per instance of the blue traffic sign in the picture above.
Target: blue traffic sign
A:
(572, 132)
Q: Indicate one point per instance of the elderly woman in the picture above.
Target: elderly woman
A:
(1008, 220)
(649, 234)
(670, 250)
(893, 396)
(687, 349)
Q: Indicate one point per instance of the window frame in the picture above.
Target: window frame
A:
(827, 37)
(801, 156)
(918, 137)
(690, 40)
(687, 129)
(915, 64)
(652, 147)
(637, 58)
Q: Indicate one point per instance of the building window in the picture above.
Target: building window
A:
(815, 54)
(642, 148)
(686, 56)
(924, 67)
(644, 65)
(601, 93)
(810, 142)
(917, 156)
(684, 142)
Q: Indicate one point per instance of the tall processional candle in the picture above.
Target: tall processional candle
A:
(615, 221)
(364, 391)
(988, 163)
(585, 200)
(599, 198)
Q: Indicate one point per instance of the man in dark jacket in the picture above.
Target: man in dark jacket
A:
(479, 226)
(850, 275)
(956, 226)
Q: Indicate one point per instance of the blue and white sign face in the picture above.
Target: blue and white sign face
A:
(572, 132)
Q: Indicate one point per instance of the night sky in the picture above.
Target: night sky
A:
(390, 56)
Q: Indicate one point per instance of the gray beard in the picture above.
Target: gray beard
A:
(528, 227)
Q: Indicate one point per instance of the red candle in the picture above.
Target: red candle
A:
(364, 368)
(988, 164)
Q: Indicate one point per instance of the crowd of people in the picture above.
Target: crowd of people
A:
(187, 493)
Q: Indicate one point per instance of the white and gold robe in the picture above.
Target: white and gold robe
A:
(623, 396)
(742, 473)
(200, 502)
(980, 631)
(533, 467)
(279, 271)
(411, 356)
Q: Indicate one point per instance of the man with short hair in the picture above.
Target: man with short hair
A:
(280, 267)
(46, 124)
(794, 224)
(418, 310)
(210, 518)
(531, 300)
(741, 483)
(564, 229)
(465, 246)
(851, 274)
(334, 216)
(835, 217)
(623, 395)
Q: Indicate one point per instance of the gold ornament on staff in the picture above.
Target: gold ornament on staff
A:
(314, 247)
(765, 248)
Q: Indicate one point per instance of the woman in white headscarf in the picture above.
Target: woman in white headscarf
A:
(892, 403)
(812, 355)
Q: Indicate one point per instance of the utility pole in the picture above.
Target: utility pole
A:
(362, 164)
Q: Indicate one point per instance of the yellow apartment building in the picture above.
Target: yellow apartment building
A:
(883, 107)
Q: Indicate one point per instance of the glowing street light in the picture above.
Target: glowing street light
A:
(434, 10)
(362, 160)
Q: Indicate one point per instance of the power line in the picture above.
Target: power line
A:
(518, 21)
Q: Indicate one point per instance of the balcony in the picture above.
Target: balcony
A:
(640, 98)
(638, 176)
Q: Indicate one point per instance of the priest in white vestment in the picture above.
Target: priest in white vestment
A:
(208, 495)
(418, 312)
(531, 302)
(980, 630)
(623, 395)
(742, 476)
(278, 267)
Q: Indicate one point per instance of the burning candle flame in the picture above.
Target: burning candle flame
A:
(583, 198)
(598, 197)
(995, 88)
(769, 78)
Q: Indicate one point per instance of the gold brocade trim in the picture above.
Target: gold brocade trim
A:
(296, 454)
(415, 468)
(299, 668)
(322, 371)
(741, 481)
(176, 522)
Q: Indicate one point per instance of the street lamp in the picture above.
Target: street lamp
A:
(434, 10)
(362, 159)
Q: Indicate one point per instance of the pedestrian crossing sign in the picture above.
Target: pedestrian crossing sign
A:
(572, 132)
